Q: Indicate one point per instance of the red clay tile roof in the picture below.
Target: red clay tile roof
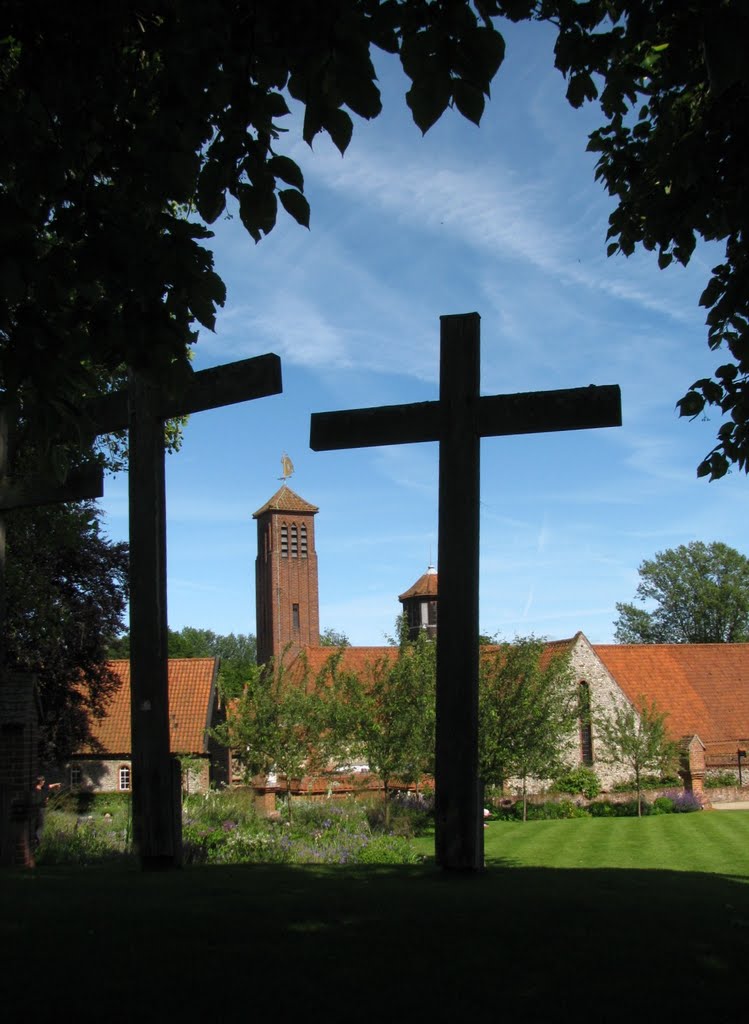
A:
(704, 687)
(425, 586)
(192, 684)
(361, 660)
(285, 500)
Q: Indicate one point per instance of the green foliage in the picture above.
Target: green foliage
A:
(397, 725)
(186, 116)
(582, 780)
(701, 595)
(66, 592)
(67, 839)
(526, 709)
(333, 638)
(716, 780)
(673, 86)
(550, 810)
(638, 739)
(663, 805)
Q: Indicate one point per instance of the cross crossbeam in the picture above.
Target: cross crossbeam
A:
(458, 421)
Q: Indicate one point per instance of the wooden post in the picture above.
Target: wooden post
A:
(458, 842)
(156, 828)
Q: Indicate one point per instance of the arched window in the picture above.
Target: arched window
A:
(294, 542)
(303, 540)
(123, 779)
(586, 731)
(284, 541)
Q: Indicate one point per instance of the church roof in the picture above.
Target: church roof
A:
(703, 687)
(285, 500)
(425, 586)
(191, 693)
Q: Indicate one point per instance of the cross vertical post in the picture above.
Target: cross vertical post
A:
(458, 842)
(154, 812)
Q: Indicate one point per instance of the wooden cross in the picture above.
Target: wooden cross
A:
(458, 421)
(157, 826)
(142, 410)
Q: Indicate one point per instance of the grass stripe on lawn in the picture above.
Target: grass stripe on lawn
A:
(712, 842)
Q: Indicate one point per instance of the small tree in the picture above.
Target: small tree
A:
(526, 711)
(637, 737)
(276, 724)
(397, 727)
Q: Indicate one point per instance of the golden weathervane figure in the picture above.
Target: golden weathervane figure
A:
(287, 467)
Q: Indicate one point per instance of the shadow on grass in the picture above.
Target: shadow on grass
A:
(357, 943)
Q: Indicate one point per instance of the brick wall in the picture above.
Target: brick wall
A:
(285, 576)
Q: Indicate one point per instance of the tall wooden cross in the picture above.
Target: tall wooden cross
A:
(157, 827)
(142, 410)
(458, 421)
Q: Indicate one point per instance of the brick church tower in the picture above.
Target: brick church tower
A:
(287, 605)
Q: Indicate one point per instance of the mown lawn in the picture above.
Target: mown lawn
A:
(611, 919)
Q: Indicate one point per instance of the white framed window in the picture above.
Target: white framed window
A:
(123, 778)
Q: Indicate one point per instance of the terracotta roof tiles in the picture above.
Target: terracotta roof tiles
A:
(704, 687)
(425, 586)
(191, 695)
(285, 500)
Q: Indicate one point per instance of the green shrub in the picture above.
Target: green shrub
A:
(602, 809)
(67, 840)
(663, 805)
(646, 782)
(582, 780)
(718, 779)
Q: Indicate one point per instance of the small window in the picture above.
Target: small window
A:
(303, 540)
(124, 779)
(294, 542)
(76, 776)
(295, 617)
(284, 541)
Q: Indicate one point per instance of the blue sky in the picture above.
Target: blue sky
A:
(505, 220)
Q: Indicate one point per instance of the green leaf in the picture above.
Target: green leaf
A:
(581, 88)
(210, 199)
(285, 169)
(428, 99)
(469, 100)
(340, 127)
(257, 210)
(484, 48)
(363, 97)
(295, 204)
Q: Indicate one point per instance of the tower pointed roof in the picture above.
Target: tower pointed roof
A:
(285, 500)
(425, 586)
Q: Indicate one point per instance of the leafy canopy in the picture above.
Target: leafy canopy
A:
(701, 595)
(66, 592)
(132, 125)
(672, 81)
